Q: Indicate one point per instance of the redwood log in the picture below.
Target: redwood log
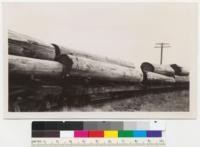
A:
(181, 71)
(23, 45)
(81, 67)
(160, 69)
(34, 67)
(151, 77)
(182, 79)
(88, 68)
(69, 51)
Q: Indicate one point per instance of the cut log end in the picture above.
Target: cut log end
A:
(181, 71)
(156, 68)
(146, 66)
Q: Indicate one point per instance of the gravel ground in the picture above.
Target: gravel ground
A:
(168, 101)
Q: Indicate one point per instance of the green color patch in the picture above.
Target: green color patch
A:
(125, 133)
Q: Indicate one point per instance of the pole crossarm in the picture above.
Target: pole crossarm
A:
(162, 45)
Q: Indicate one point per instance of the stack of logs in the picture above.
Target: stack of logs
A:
(164, 74)
(40, 71)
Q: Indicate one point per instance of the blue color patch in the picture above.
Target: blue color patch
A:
(154, 133)
(139, 133)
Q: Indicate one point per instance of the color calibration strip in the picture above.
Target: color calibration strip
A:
(96, 133)
(98, 125)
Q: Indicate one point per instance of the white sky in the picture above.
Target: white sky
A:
(125, 31)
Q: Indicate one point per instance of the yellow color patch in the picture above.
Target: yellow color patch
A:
(110, 134)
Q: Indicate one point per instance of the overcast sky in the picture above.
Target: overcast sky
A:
(125, 31)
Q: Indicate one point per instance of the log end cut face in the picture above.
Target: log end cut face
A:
(156, 68)
(179, 70)
(146, 66)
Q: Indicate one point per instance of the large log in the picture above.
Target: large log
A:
(88, 68)
(160, 69)
(34, 67)
(23, 45)
(81, 67)
(181, 71)
(182, 79)
(69, 51)
(151, 77)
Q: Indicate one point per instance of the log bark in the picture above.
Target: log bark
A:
(88, 68)
(151, 77)
(81, 67)
(22, 45)
(182, 79)
(69, 51)
(181, 71)
(34, 67)
(160, 69)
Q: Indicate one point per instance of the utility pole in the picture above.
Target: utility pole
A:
(162, 45)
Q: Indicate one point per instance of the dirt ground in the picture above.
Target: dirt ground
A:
(167, 101)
